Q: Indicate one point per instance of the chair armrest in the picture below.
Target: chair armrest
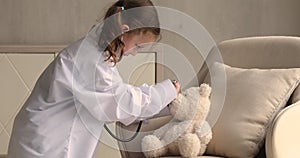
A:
(283, 139)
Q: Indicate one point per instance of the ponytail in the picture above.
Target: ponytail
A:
(112, 27)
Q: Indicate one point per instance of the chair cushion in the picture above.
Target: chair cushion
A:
(253, 98)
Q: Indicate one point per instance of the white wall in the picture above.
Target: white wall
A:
(227, 19)
(61, 22)
(47, 21)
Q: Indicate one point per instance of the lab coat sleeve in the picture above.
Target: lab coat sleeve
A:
(109, 99)
(144, 102)
(126, 103)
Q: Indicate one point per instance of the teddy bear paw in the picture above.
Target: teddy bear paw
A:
(205, 90)
(152, 147)
(189, 145)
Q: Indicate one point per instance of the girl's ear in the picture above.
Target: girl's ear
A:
(124, 28)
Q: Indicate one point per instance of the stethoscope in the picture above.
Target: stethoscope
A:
(127, 139)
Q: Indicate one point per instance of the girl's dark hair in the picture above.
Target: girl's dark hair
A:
(109, 39)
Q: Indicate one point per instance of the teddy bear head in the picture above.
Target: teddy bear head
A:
(192, 104)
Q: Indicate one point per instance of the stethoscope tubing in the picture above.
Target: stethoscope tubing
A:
(127, 139)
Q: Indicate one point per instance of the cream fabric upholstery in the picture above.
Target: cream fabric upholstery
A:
(254, 52)
(283, 140)
(253, 98)
(258, 52)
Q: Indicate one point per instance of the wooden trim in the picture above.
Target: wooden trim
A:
(155, 64)
(31, 48)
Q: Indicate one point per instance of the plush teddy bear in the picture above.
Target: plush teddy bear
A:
(187, 133)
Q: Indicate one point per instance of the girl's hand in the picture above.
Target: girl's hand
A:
(177, 85)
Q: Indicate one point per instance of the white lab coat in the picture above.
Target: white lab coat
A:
(49, 124)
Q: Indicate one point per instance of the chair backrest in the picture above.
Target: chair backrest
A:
(256, 52)
(252, 52)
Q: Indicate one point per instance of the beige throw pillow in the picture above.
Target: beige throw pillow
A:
(253, 98)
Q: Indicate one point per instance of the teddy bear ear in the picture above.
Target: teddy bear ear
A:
(205, 90)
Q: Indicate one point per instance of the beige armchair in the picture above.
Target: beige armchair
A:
(282, 139)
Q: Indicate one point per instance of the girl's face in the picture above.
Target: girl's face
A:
(134, 42)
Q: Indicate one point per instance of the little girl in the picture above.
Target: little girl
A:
(71, 101)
